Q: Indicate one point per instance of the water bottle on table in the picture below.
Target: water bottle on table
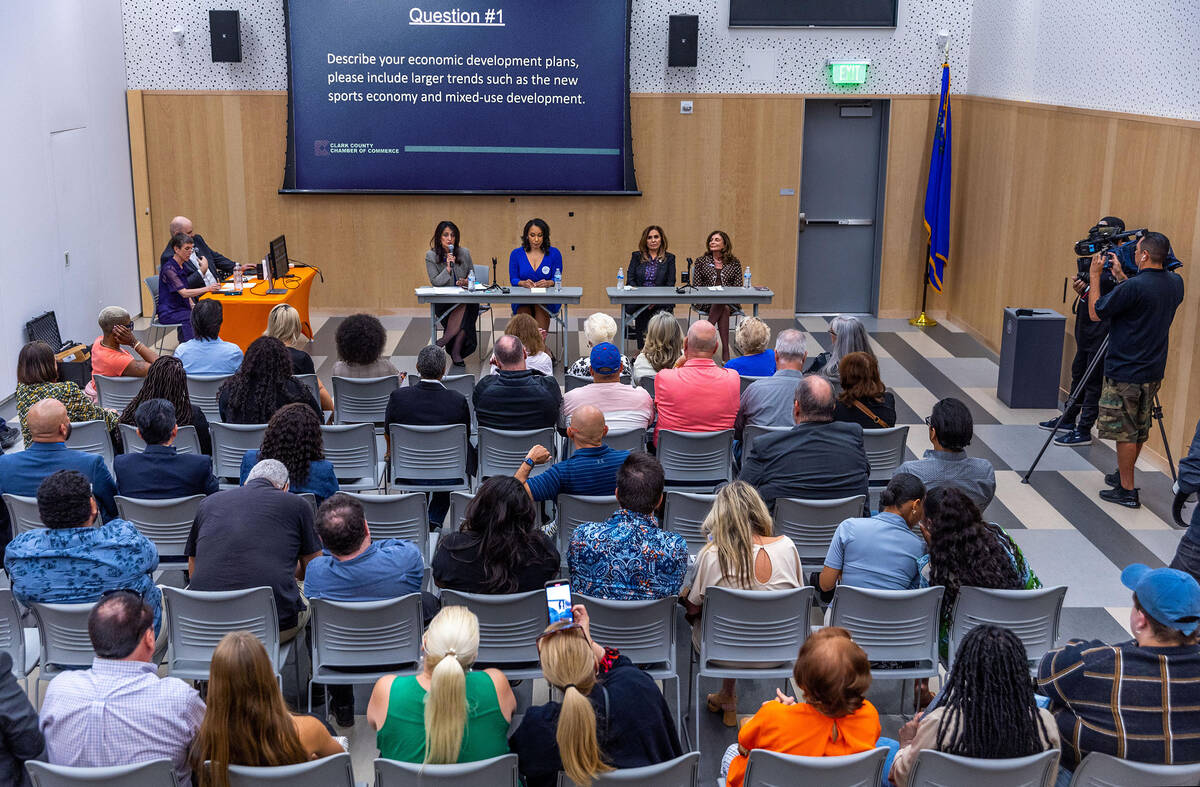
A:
(558, 281)
(471, 280)
(746, 279)
(620, 278)
(237, 278)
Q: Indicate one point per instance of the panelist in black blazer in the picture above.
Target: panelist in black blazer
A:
(161, 472)
(221, 265)
(650, 266)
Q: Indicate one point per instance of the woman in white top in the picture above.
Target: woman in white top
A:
(743, 553)
(664, 346)
(532, 339)
(598, 328)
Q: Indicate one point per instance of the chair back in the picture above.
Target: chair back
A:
(465, 385)
(509, 626)
(685, 514)
(934, 769)
(1104, 770)
(92, 437)
(626, 440)
(155, 773)
(892, 625)
(384, 635)
(812, 523)
(647, 383)
(642, 630)
(679, 772)
(203, 389)
(1033, 615)
(12, 635)
(230, 442)
(765, 768)
(333, 771)
(362, 399)
(152, 285)
(576, 510)
(354, 454)
(197, 620)
(458, 510)
(167, 522)
(696, 459)
(764, 627)
(309, 381)
(501, 451)
(753, 431)
(423, 455)
(23, 514)
(573, 381)
(404, 516)
(885, 451)
(115, 393)
(187, 441)
(310, 498)
(496, 772)
(63, 631)
(746, 380)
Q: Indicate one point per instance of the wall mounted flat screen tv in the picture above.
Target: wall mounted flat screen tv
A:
(812, 13)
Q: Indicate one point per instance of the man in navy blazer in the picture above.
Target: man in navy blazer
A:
(161, 471)
(221, 265)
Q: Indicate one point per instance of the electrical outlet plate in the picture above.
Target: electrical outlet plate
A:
(685, 107)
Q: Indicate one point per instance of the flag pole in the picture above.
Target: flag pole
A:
(923, 320)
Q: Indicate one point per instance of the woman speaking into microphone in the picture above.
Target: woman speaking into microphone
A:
(448, 264)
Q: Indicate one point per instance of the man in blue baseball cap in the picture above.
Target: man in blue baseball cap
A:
(1138, 700)
(624, 406)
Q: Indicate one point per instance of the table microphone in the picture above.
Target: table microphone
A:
(687, 278)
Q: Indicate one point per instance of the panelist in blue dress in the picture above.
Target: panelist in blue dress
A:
(533, 264)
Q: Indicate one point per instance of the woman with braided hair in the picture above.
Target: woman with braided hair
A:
(987, 708)
(294, 438)
(166, 379)
(262, 385)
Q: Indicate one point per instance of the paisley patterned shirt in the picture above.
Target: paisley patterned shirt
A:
(627, 558)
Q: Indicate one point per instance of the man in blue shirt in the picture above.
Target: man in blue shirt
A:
(207, 352)
(591, 470)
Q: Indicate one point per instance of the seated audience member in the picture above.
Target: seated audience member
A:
(849, 335)
(263, 384)
(294, 438)
(598, 328)
(591, 469)
(221, 266)
(1135, 700)
(22, 740)
(448, 712)
(360, 342)
(108, 359)
(987, 708)
(625, 407)
(516, 397)
(167, 380)
(161, 472)
(756, 359)
(664, 345)
(835, 718)
(947, 463)
(120, 712)
(525, 328)
(37, 379)
(698, 396)
(253, 536)
(629, 557)
(498, 548)
(771, 402)
(248, 722)
(612, 714)
(284, 324)
(355, 568)
(864, 400)
(882, 551)
(817, 459)
(75, 559)
(207, 352)
(743, 552)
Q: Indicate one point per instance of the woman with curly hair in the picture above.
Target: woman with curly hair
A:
(166, 379)
(294, 438)
(526, 329)
(664, 346)
(756, 359)
(360, 341)
(262, 385)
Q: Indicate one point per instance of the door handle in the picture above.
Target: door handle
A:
(803, 222)
(856, 222)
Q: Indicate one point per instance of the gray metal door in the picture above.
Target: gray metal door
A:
(841, 205)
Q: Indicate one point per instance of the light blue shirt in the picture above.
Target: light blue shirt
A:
(387, 569)
(209, 356)
(877, 552)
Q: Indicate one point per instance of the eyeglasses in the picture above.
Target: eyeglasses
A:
(929, 420)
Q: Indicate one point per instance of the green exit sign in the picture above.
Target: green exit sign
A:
(848, 72)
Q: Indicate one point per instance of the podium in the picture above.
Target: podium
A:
(1031, 358)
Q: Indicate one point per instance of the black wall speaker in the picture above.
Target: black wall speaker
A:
(226, 36)
(681, 40)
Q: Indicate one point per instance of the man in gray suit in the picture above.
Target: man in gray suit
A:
(769, 401)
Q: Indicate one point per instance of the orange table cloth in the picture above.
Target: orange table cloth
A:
(246, 314)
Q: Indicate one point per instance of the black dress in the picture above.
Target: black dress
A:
(640, 275)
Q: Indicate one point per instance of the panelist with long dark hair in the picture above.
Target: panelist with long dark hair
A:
(448, 264)
(718, 267)
(650, 266)
(533, 264)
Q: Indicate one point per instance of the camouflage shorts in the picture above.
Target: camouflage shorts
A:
(1125, 410)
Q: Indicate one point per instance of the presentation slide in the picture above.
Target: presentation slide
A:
(512, 96)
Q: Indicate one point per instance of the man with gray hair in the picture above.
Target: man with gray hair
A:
(108, 359)
(817, 459)
(769, 401)
(258, 534)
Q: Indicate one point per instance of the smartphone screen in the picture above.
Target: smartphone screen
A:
(558, 600)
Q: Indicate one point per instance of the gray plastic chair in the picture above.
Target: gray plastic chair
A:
(167, 522)
(360, 642)
(186, 440)
(458, 510)
(429, 458)
(647, 383)
(753, 431)
(746, 380)
(156, 326)
(333, 771)
(766, 768)
(460, 383)
(404, 516)
(685, 514)
(155, 773)
(501, 451)
(359, 400)
(309, 381)
(812, 523)
(497, 772)
(354, 454)
(760, 631)
(310, 498)
(1104, 770)
(63, 635)
(20, 643)
(509, 625)
(679, 772)
(230, 442)
(91, 437)
(935, 769)
(885, 451)
(892, 626)
(576, 510)
(1033, 615)
(573, 381)
(202, 390)
(622, 440)
(23, 513)
(696, 460)
(197, 620)
(115, 393)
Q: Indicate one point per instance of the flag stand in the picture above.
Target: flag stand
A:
(923, 320)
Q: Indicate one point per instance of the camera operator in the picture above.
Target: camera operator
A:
(1139, 310)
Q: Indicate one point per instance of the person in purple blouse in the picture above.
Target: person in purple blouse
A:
(650, 266)
(175, 298)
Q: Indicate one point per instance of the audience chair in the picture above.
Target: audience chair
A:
(697, 461)
(760, 631)
(360, 642)
(623, 440)
(63, 634)
(310, 498)
(166, 522)
(92, 437)
(20, 643)
(404, 516)
(501, 451)
(157, 328)
(647, 383)
(187, 441)
(885, 453)
(679, 772)
(354, 454)
(309, 381)
(23, 514)
(576, 510)
(115, 393)
(934, 769)
(230, 442)
(497, 772)
(509, 625)
(155, 773)
(812, 523)
(362, 399)
(753, 431)
(1033, 615)
(202, 390)
(765, 768)
(429, 458)
(685, 513)
(458, 510)
(745, 381)
(461, 383)
(332, 771)
(573, 381)
(1104, 770)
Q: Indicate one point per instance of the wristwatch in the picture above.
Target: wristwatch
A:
(529, 461)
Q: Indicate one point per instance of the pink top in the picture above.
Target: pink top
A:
(697, 397)
(110, 363)
(624, 406)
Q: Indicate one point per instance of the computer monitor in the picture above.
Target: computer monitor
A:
(277, 264)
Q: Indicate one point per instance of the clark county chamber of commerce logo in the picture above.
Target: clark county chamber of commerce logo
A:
(321, 147)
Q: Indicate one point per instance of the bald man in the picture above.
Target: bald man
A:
(591, 470)
(697, 396)
(220, 265)
(515, 397)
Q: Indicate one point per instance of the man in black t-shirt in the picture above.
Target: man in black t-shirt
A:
(1139, 310)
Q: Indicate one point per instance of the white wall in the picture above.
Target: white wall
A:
(64, 176)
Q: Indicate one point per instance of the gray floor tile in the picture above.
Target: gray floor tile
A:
(1090, 623)
(1017, 445)
(968, 372)
(1066, 557)
(894, 375)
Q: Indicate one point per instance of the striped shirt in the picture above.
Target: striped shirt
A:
(589, 471)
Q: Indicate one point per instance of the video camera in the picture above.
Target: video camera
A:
(1101, 238)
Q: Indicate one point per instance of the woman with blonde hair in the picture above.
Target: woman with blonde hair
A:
(756, 359)
(743, 553)
(284, 324)
(664, 346)
(612, 714)
(526, 329)
(246, 721)
(448, 713)
(598, 328)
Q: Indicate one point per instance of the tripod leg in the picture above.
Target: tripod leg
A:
(1157, 414)
(1067, 406)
